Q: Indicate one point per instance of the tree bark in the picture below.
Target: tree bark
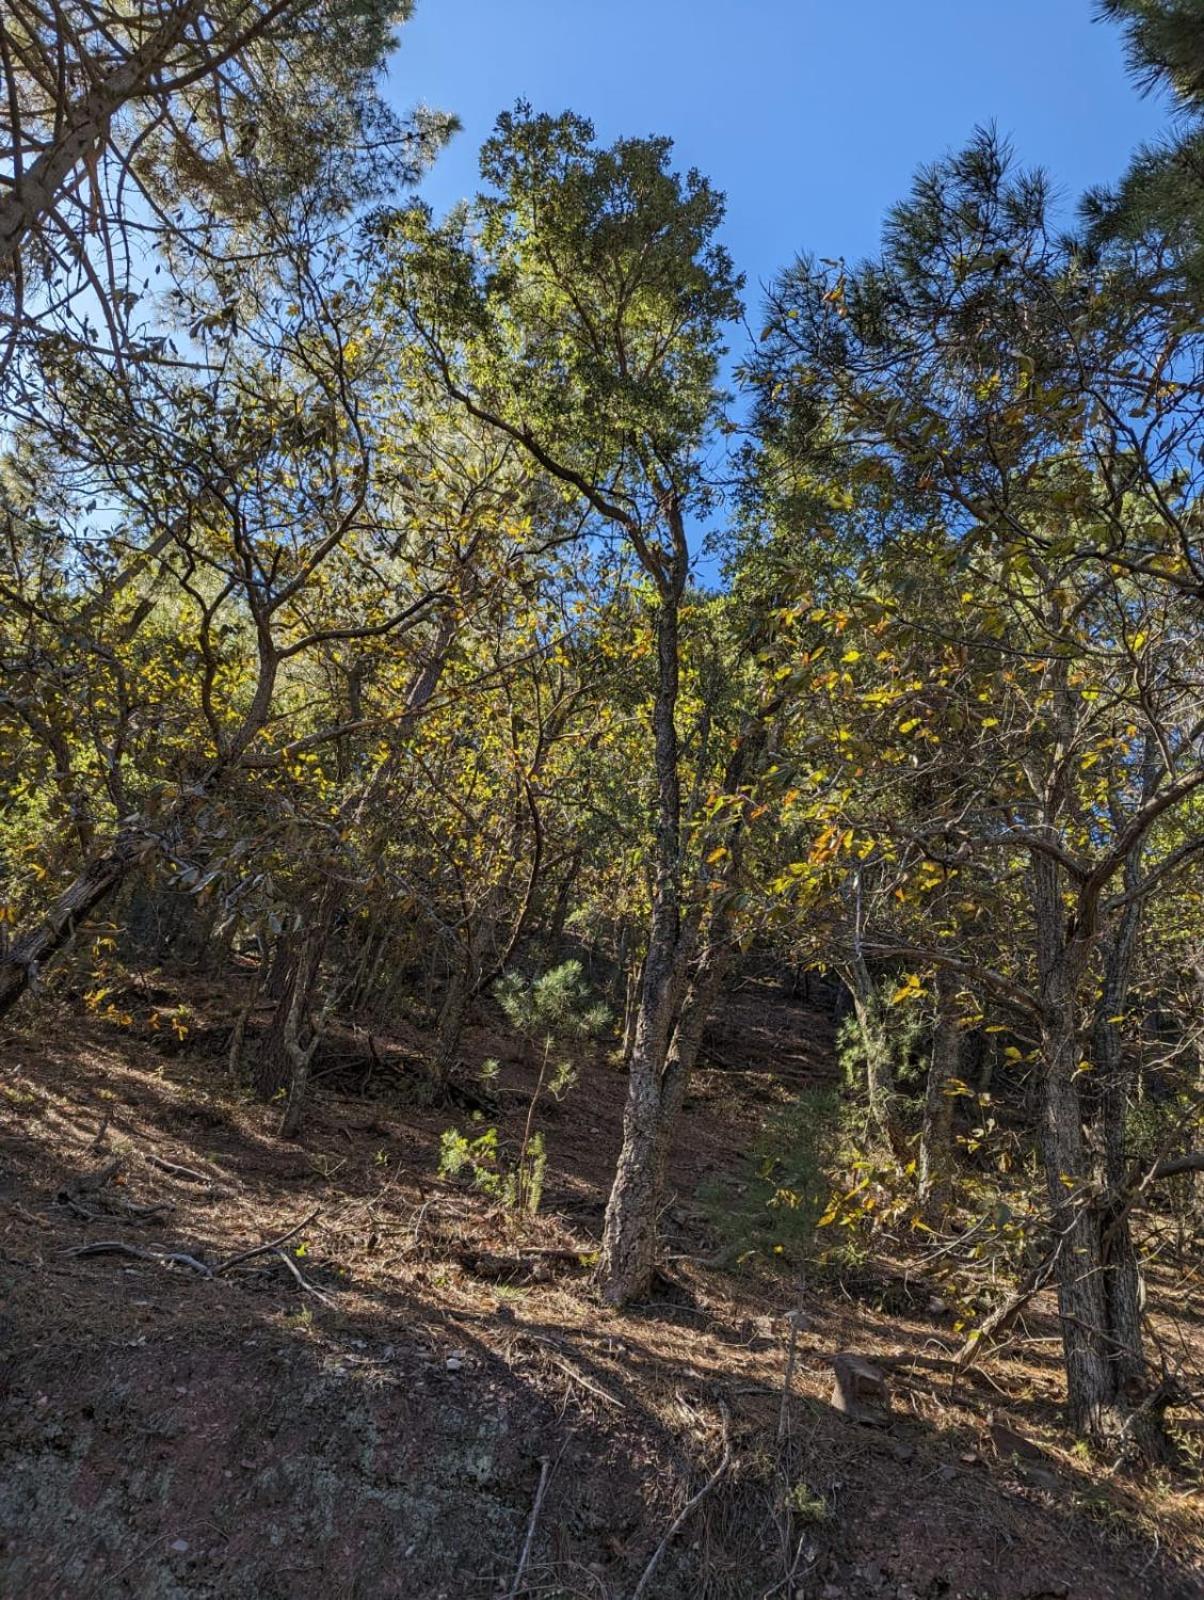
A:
(1111, 1085)
(1091, 1386)
(28, 953)
(301, 1035)
(879, 1067)
(628, 1254)
(936, 1136)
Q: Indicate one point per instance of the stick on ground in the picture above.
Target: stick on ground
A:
(545, 1469)
(684, 1514)
(307, 1286)
(264, 1249)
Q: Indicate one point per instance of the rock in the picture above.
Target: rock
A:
(180, 1546)
(860, 1390)
(453, 1364)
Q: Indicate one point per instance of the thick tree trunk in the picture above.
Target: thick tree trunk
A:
(936, 1136)
(1091, 1378)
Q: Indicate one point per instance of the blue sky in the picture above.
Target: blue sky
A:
(810, 115)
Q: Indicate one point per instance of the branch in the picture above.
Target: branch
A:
(641, 1588)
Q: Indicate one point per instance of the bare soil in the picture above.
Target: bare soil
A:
(379, 1428)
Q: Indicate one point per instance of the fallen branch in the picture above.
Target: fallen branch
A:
(118, 1247)
(571, 1371)
(125, 1210)
(545, 1469)
(1001, 1319)
(308, 1287)
(265, 1249)
(178, 1171)
(687, 1510)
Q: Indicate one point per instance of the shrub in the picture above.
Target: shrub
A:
(769, 1205)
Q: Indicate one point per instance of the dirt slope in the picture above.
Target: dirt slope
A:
(382, 1431)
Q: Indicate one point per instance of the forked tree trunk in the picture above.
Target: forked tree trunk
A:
(1094, 1402)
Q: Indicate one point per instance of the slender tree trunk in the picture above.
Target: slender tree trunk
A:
(631, 1008)
(628, 1254)
(277, 1067)
(301, 1034)
(1112, 1084)
(701, 993)
(239, 1034)
(936, 1137)
(879, 1065)
(452, 1017)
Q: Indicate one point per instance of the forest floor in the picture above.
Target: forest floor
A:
(381, 1427)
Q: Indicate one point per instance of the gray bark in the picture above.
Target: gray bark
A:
(936, 1136)
(628, 1255)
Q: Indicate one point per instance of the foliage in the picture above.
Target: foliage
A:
(767, 1208)
(518, 1185)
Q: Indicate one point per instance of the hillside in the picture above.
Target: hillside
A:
(373, 1417)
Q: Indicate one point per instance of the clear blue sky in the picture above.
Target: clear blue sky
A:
(810, 115)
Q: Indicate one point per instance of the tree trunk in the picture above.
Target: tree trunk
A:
(277, 1067)
(701, 993)
(23, 958)
(1091, 1386)
(80, 135)
(452, 1017)
(301, 1036)
(239, 1033)
(628, 1254)
(1111, 1083)
(936, 1137)
(879, 1066)
(631, 1008)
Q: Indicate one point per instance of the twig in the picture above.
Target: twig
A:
(795, 1319)
(571, 1371)
(545, 1469)
(179, 1171)
(308, 1287)
(1004, 1315)
(683, 1515)
(264, 1249)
